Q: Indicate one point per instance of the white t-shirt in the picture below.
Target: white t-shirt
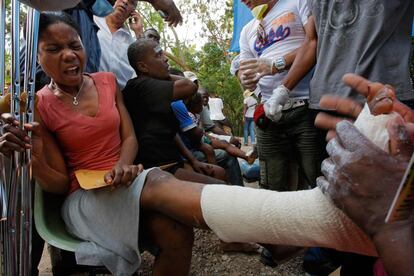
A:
(114, 49)
(251, 103)
(216, 106)
(284, 28)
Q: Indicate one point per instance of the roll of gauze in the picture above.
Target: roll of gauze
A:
(301, 218)
(374, 127)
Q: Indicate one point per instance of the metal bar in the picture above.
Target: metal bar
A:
(32, 26)
(3, 218)
(3, 196)
(12, 222)
(2, 45)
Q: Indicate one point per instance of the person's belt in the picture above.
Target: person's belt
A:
(293, 103)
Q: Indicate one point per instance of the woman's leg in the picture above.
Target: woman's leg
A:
(178, 199)
(199, 178)
(237, 214)
(174, 242)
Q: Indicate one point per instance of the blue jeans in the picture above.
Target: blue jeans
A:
(293, 136)
(227, 162)
(249, 128)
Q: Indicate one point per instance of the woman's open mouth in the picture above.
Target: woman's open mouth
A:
(72, 71)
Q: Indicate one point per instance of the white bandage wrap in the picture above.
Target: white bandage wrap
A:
(302, 218)
(374, 127)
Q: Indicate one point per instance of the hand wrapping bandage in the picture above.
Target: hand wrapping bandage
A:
(302, 218)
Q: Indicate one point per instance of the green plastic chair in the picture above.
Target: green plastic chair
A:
(49, 223)
(51, 227)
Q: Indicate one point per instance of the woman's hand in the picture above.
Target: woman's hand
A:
(122, 174)
(16, 139)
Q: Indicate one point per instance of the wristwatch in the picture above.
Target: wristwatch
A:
(279, 64)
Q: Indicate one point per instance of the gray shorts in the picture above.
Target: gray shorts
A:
(108, 221)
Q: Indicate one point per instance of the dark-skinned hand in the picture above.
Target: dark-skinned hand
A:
(168, 7)
(122, 175)
(16, 139)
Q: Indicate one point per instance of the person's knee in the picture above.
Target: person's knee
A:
(155, 183)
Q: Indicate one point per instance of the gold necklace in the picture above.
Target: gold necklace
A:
(75, 101)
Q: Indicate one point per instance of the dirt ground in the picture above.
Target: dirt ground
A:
(208, 259)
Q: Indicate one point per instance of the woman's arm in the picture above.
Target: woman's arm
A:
(48, 164)
(129, 148)
(124, 172)
(49, 167)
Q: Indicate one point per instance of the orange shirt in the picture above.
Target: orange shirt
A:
(86, 142)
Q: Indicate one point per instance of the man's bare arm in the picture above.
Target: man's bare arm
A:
(305, 57)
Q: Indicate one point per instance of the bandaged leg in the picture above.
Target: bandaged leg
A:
(302, 218)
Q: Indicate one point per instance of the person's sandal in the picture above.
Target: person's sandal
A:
(267, 259)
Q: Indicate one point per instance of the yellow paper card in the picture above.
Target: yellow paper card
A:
(90, 179)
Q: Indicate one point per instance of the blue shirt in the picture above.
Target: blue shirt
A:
(185, 121)
(181, 112)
